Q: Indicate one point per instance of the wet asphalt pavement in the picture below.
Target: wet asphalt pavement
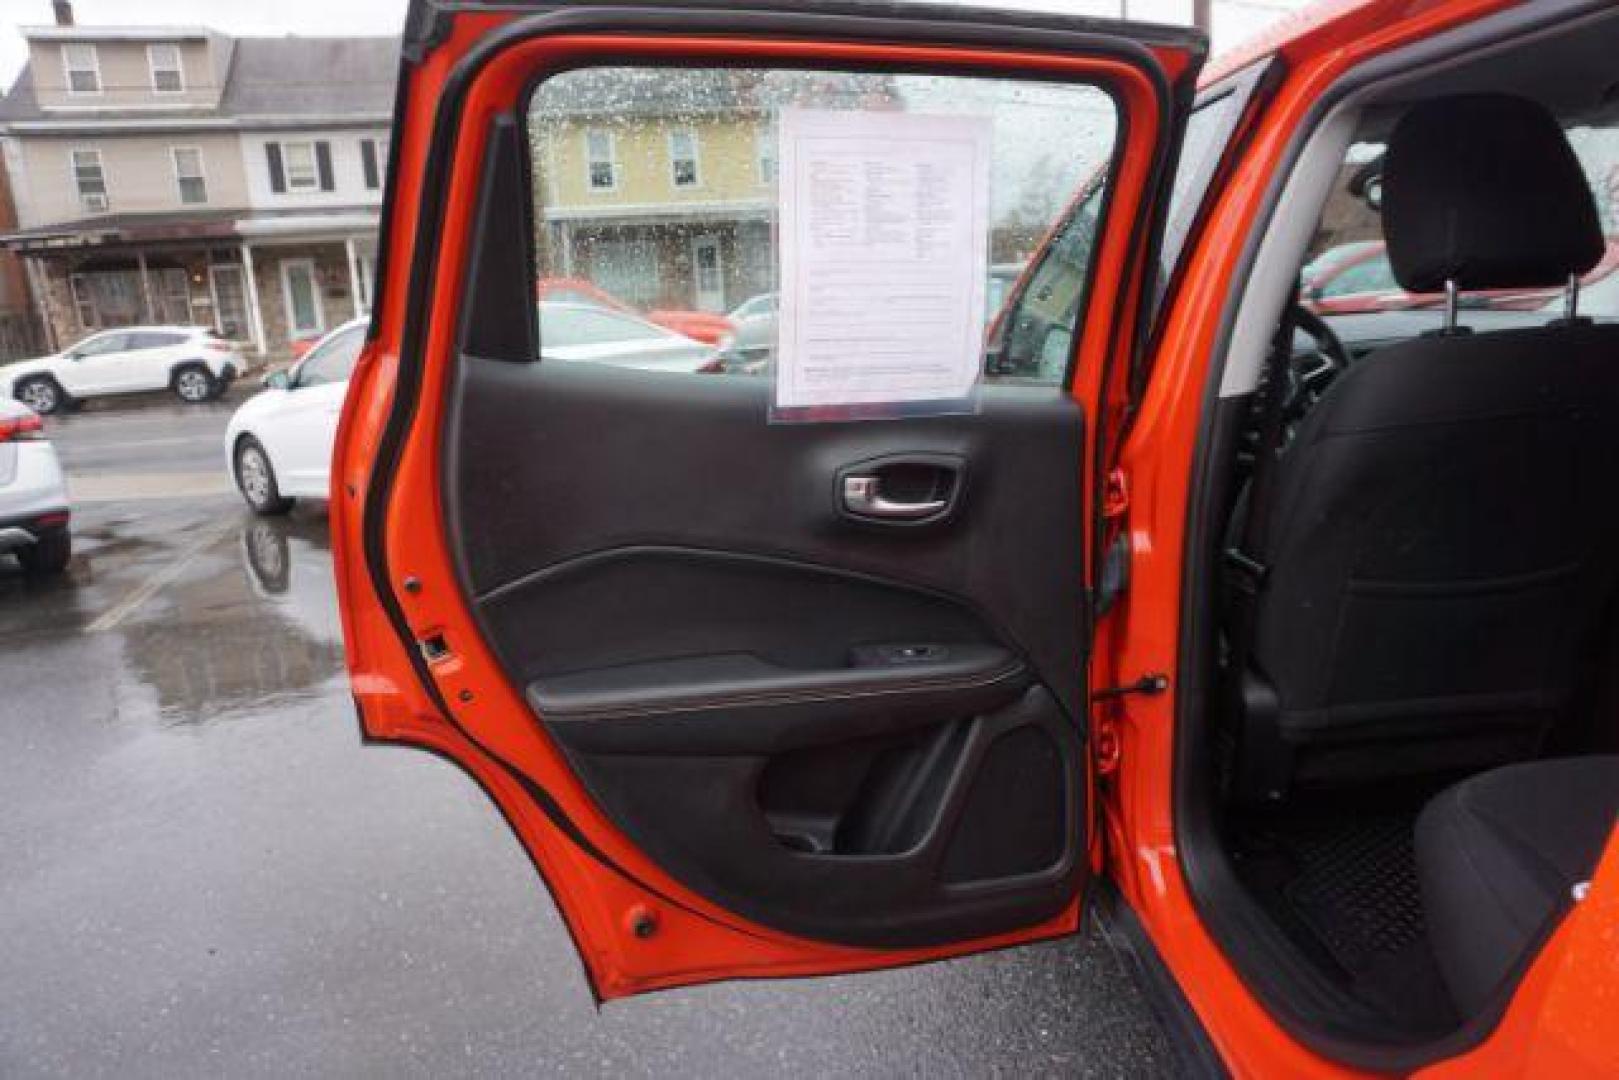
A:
(202, 872)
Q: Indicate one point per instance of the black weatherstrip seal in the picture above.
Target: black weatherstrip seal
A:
(883, 24)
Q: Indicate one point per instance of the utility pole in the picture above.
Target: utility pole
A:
(1203, 15)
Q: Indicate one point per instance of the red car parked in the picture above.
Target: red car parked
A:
(701, 326)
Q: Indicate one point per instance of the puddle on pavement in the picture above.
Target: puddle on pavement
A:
(207, 631)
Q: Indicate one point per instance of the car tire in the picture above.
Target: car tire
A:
(41, 393)
(255, 478)
(50, 555)
(194, 384)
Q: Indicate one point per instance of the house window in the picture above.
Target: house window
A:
(299, 160)
(371, 164)
(168, 76)
(764, 152)
(188, 175)
(80, 68)
(603, 168)
(683, 158)
(90, 179)
(300, 166)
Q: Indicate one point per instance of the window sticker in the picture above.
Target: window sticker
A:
(884, 235)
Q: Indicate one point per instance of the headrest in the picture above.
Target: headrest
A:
(1483, 190)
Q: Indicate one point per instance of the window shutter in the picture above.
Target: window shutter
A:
(368, 162)
(323, 162)
(278, 176)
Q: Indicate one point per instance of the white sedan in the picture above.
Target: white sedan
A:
(192, 361)
(33, 495)
(279, 443)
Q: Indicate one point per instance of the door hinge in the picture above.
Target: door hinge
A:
(1154, 683)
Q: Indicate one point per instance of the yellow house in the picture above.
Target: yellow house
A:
(659, 209)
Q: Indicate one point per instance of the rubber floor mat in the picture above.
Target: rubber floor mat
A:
(1344, 886)
(1357, 886)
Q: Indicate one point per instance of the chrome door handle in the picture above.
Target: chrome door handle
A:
(863, 497)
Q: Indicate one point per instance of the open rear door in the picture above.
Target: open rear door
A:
(774, 656)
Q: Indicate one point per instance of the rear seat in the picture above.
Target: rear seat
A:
(1502, 855)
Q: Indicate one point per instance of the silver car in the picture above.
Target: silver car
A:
(33, 493)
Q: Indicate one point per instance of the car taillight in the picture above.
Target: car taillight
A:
(22, 429)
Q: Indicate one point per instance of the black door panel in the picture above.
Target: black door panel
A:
(862, 731)
(962, 826)
(551, 462)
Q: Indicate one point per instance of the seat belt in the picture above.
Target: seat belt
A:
(1261, 761)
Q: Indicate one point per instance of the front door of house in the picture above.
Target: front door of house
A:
(302, 297)
(708, 278)
(230, 302)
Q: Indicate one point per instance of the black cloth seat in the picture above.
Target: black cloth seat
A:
(1441, 540)
(1499, 857)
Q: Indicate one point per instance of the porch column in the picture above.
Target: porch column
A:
(354, 277)
(254, 315)
(146, 289)
(38, 282)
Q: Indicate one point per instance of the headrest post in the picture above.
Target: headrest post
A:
(1451, 302)
(1571, 298)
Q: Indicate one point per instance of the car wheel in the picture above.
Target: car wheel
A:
(49, 556)
(194, 384)
(255, 478)
(42, 394)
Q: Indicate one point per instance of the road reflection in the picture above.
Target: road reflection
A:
(246, 635)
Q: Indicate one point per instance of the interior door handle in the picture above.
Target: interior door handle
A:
(863, 497)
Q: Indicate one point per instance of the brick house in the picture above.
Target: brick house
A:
(179, 175)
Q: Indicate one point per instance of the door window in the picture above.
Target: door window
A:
(103, 345)
(603, 218)
(153, 339)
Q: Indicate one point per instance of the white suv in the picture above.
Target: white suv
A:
(193, 361)
(33, 494)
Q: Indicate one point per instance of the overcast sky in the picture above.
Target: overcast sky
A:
(1233, 19)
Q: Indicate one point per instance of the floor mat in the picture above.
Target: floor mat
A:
(1344, 885)
(1357, 886)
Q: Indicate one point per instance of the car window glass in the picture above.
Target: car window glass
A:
(333, 360)
(100, 346)
(695, 251)
(568, 325)
(1372, 274)
(153, 339)
(1045, 313)
(1208, 130)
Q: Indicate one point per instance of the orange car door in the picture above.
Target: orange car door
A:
(760, 698)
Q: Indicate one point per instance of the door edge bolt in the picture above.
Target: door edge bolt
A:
(642, 923)
(413, 585)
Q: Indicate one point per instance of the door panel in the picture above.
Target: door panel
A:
(745, 723)
(807, 717)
